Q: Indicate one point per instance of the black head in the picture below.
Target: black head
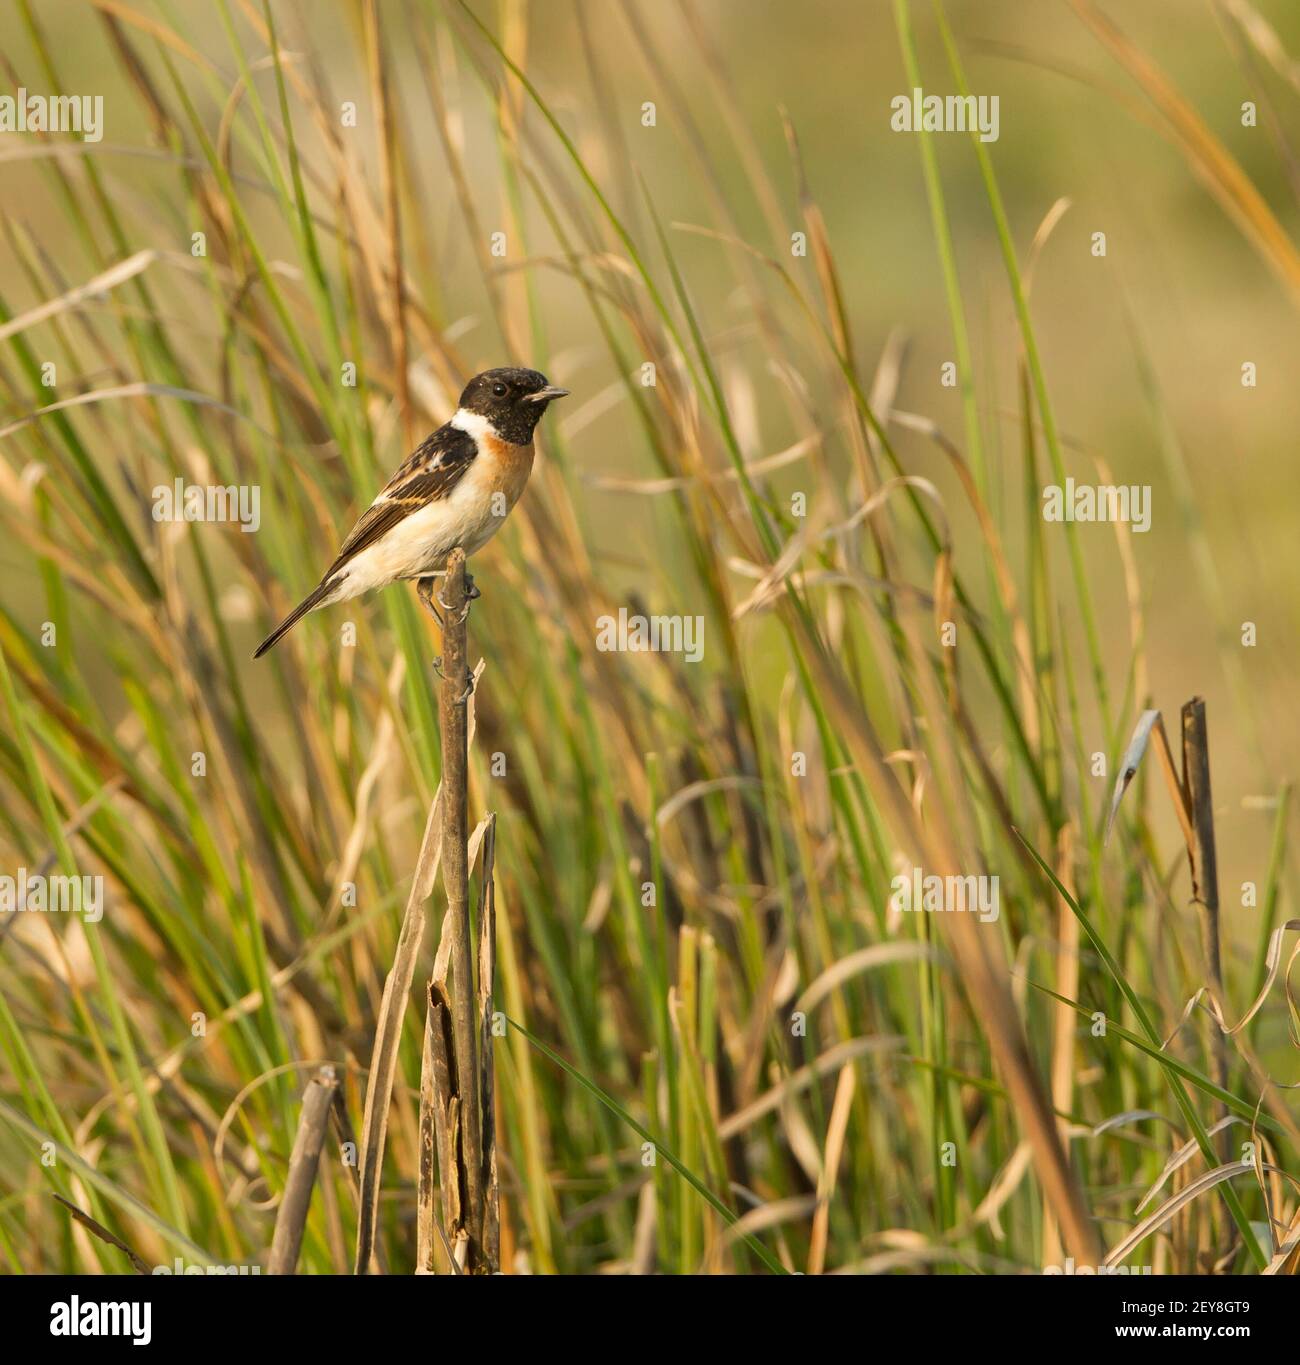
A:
(512, 400)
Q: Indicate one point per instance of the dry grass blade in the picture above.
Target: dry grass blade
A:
(643, 1243)
(1208, 156)
(1181, 1157)
(72, 298)
(104, 1235)
(834, 1153)
(1171, 1206)
(1063, 1039)
(135, 390)
(773, 1214)
(1004, 1186)
(830, 1061)
(1286, 1259)
(864, 960)
(1265, 39)
(1272, 966)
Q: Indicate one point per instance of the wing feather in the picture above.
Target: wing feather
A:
(428, 475)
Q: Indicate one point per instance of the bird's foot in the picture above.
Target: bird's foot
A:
(472, 594)
(467, 693)
(463, 614)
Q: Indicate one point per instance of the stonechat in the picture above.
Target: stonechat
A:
(456, 490)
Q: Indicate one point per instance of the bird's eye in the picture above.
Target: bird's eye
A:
(499, 390)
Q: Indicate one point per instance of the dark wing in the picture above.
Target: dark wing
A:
(437, 466)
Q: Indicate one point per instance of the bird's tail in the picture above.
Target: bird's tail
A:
(316, 598)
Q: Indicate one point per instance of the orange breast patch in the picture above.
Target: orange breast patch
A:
(508, 465)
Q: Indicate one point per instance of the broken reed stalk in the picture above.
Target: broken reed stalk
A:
(439, 1116)
(388, 1031)
(1205, 875)
(317, 1101)
(456, 1095)
(442, 1099)
(487, 975)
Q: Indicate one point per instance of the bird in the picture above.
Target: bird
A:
(456, 489)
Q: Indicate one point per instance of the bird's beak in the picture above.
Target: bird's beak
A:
(546, 394)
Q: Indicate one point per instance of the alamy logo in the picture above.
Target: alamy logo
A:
(34, 892)
(180, 1267)
(24, 113)
(76, 1319)
(1070, 1268)
(915, 890)
(632, 634)
(922, 113)
(179, 501)
(1099, 502)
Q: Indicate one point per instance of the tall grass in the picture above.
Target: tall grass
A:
(725, 1051)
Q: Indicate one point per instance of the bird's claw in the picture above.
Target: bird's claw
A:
(472, 594)
(463, 614)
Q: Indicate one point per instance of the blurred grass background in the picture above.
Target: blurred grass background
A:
(628, 244)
